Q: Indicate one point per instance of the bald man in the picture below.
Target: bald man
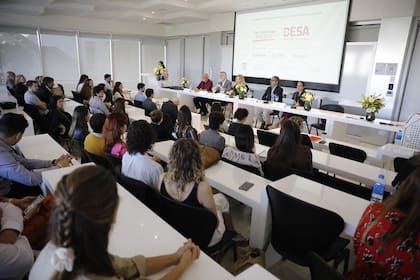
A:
(199, 102)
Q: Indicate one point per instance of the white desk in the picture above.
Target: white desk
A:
(135, 113)
(30, 130)
(138, 230)
(42, 146)
(393, 150)
(227, 178)
(255, 272)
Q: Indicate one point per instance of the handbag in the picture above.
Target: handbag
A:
(209, 156)
(7, 105)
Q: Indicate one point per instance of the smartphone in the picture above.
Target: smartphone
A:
(34, 203)
(246, 186)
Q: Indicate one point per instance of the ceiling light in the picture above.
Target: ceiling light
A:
(144, 18)
(153, 12)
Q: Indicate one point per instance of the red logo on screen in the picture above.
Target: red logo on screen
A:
(296, 31)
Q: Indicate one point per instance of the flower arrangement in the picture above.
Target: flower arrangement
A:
(372, 103)
(159, 72)
(241, 89)
(307, 97)
(184, 82)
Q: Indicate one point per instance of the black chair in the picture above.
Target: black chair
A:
(275, 172)
(138, 104)
(77, 97)
(299, 227)
(104, 162)
(266, 138)
(248, 168)
(399, 163)
(116, 161)
(305, 140)
(320, 270)
(347, 152)
(198, 224)
(146, 194)
(41, 123)
(320, 125)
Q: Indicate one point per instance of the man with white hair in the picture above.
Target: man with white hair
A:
(199, 102)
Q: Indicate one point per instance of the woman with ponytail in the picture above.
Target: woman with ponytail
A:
(80, 226)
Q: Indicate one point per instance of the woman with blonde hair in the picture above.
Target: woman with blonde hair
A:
(80, 227)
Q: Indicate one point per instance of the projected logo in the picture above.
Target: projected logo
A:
(296, 31)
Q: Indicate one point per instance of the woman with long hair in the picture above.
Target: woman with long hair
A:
(387, 239)
(80, 227)
(81, 82)
(119, 107)
(288, 152)
(184, 128)
(118, 91)
(59, 120)
(114, 128)
(79, 127)
(86, 90)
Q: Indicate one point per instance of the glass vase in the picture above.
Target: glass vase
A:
(307, 106)
(241, 95)
(370, 117)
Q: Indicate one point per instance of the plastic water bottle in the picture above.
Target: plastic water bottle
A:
(378, 189)
(398, 137)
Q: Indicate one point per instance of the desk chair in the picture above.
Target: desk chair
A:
(266, 138)
(77, 97)
(138, 104)
(104, 162)
(41, 122)
(299, 228)
(399, 163)
(251, 169)
(347, 152)
(320, 125)
(320, 270)
(116, 161)
(305, 140)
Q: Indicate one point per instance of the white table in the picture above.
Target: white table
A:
(227, 178)
(255, 272)
(393, 150)
(138, 230)
(30, 130)
(42, 146)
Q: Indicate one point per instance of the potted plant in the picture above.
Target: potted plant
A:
(308, 98)
(184, 82)
(372, 104)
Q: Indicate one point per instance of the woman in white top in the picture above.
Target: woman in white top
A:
(81, 82)
(87, 204)
(96, 103)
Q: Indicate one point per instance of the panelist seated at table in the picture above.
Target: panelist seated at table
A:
(211, 137)
(297, 101)
(88, 199)
(114, 128)
(185, 182)
(387, 239)
(239, 82)
(244, 152)
(224, 85)
(17, 178)
(200, 102)
(288, 152)
(273, 93)
(97, 102)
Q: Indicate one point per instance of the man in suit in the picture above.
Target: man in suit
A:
(45, 91)
(224, 85)
(273, 93)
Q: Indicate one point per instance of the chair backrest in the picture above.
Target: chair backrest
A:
(266, 138)
(104, 162)
(115, 160)
(146, 194)
(248, 168)
(138, 104)
(305, 140)
(299, 227)
(41, 122)
(347, 152)
(192, 222)
(399, 163)
(275, 172)
(332, 107)
(320, 270)
(77, 96)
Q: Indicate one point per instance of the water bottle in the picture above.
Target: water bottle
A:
(398, 137)
(378, 189)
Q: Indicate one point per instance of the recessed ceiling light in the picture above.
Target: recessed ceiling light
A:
(144, 18)
(153, 12)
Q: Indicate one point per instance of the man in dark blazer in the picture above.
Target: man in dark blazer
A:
(273, 93)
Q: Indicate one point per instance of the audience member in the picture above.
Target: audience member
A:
(184, 128)
(211, 137)
(87, 204)
(108, 87)
(39, 79)
(16, 176)
(114, 128)
(96, 103)
(141, 94)
(79, 128)
(160, 131)
(59, 120)
(86, 90)
(136, 163)
(119, 107)
(386, 241)
(185, 182)
(20, 89)
(244, 152)
(11, 80)
(118, 91)
(44, 93)
(170, 113)
(239, 118)
(31, 98)
(148, 104)
(95, 142)
(83, 78)
(288, 151)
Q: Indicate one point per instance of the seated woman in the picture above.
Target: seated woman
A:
(86, 90)
(96, 103)
(136, 163)
(239, 118)
(114, 128)
(288, 152)
(88, 199)
(118, 91)
(184, 128)
(239, 83)
(59, 120)
(410, 165)
(79, 128)
(211, 137)
(244, 152)
(119, 107)
(386, 241)
(185, 182)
